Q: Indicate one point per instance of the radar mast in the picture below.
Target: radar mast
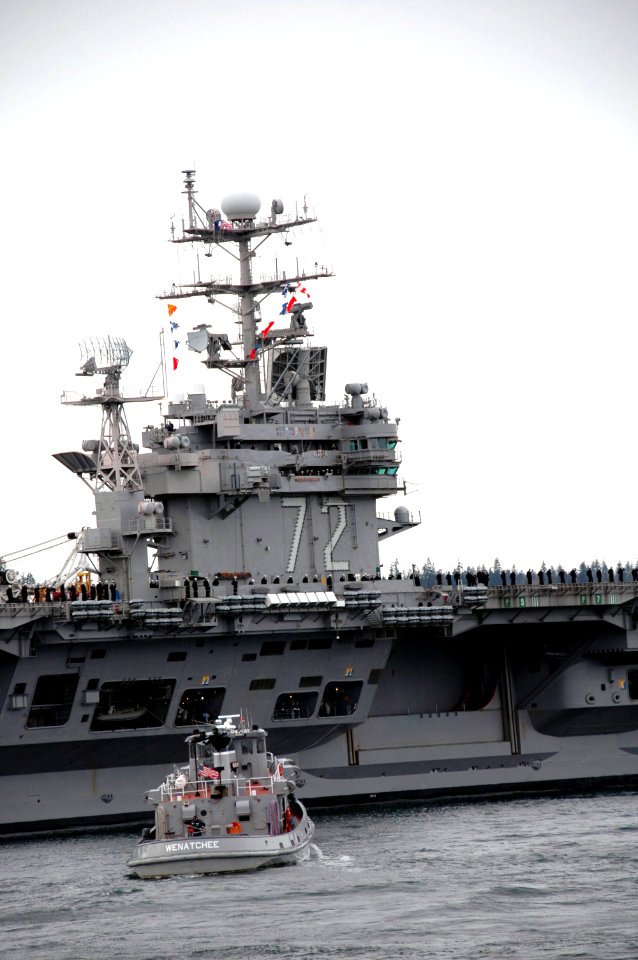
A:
(123, 530)
(115, 455)
(241, 228)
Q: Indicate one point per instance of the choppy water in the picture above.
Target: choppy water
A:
(548, 878)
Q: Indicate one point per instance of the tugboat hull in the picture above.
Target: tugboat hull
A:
(205, 855)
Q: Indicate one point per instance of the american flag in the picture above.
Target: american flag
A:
(208, 773)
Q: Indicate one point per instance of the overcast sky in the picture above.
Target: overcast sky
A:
(473, 166)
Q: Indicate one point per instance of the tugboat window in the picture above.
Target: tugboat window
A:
(340, 699)
(295, 706)
(132, 704)
(201, 705)
(632, 684)
(52, 700)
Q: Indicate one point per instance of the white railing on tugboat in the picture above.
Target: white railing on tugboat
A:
(241, 787)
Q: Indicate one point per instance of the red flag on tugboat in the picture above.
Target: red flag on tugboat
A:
(175, 362)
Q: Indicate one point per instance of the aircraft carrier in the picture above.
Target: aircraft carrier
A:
(234, 565)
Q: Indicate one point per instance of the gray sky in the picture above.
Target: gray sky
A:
(473, 166)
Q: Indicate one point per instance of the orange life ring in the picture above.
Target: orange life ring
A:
(233, 827)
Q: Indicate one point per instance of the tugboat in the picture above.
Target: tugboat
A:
(232, 808)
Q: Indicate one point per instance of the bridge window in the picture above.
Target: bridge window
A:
(382, 443)
(368, 471)
(371, 443)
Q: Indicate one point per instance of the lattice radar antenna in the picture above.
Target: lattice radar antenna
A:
(104, 355)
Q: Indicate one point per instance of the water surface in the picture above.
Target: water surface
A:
(532, 879)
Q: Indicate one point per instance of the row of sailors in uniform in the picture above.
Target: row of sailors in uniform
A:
(97, 591)
(542, 577)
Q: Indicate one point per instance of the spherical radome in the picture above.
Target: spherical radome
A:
(241, 206)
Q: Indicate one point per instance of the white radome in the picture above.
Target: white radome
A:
(241, 206)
